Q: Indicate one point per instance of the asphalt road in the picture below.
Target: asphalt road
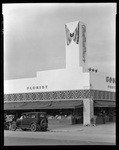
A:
(71, 135)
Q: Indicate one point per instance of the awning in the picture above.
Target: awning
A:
(102, 103)
(43, 105)
(66, 104)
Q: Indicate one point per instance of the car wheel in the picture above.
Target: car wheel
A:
(6, 127)
(13, 126)
(33, 127)
(43, 125)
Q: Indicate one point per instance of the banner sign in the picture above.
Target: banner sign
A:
(74, 35)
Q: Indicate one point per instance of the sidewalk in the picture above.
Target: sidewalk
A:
(101, 133)
(104, 134)
(108, 129)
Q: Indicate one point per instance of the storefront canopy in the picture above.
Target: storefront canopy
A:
(43, 105)
(105, 103)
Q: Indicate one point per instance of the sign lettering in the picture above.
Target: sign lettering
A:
(110, 80)
(37, 87)
(84, 43)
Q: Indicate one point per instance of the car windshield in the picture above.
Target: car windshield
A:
(21, 117)
(42, 115)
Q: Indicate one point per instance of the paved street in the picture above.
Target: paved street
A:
(64, 135)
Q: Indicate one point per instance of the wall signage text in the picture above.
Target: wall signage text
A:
(110, 80)
(37, 87)
(111, 87)
(84, 43)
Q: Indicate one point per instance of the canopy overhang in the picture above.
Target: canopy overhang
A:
(62, 104)
(104, 103)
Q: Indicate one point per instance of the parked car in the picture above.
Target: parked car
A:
(31, 120)
(6, 124)
(7, 121)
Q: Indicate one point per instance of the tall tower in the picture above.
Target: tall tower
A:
(76, 47)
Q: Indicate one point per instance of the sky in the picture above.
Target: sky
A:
(34, 36)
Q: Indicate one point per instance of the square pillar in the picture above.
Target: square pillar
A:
(88, 111)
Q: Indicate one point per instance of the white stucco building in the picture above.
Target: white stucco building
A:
(72, 87)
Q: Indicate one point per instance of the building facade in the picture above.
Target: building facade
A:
(75, 86)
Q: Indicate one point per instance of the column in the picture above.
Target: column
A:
(88, 111)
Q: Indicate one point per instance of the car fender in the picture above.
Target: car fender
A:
(32, 123)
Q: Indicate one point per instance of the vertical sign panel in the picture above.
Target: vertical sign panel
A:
(83, 45)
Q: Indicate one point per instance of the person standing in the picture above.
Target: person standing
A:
(103, 117)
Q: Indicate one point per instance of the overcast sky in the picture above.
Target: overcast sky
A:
(34, 36)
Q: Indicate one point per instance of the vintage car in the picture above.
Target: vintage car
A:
(7, 121)
(31, 120)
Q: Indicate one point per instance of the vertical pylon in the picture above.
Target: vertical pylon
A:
(76, 47)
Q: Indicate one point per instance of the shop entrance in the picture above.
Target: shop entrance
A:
(65, 116)
(55, 116)
(105, 114)
(62, 111)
